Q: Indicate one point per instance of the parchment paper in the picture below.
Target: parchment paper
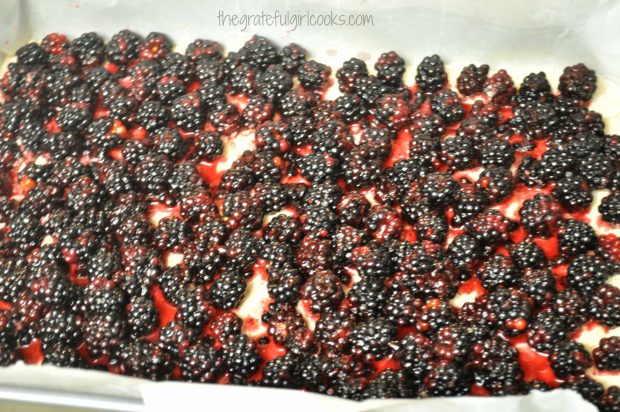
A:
(520, 35)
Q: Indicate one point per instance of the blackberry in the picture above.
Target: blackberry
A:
(510, 309)
(283, 229)
(392, 110)
(604, 305)
(103, 263)
(573, 193)
(274, 82)
(497, 152)
(589, 389)
(174, 339)
(370, 339)
(318, 221)
(144, 360)
(177, 65)
(610, 400)
(435, 314)
(495, 367)
(539, 215)
(389, 384)
(546, 330)
(403, 173)
(74, 117)
(325, 195)
(371, 261)
(500, 88)
(431, 74)
(368, 297)
(170, 232)
(169, 88)
(292, 56)
(281, 372)
(400, 307)
(203, 48)
(370, 88)
(284, 284)
(440, 189)
(134, 151)
(102, 297)
(570, 306)
(587, 272)
(535, 120)
(447, 105)
(535, 87)
(50, 285)
(445, 378)
(333, 328)
(596, 169)
(103, 334)
(298, 103)
(472, 78)
(209, 146)
(539, 284)
(122, 47)
(607, 354)
(351, 108)
(569, 358)
(495, 184)
(345, 240)
(323, 289)
(152, 115)
(155, 46)
(134, 230)
(242, 248)
(225, 118)
(463, 252)
(59, 326)
(468, 204)
(283, 320)
(141, 316)
(31, 54)
(348, 74)
(228, 289)
(610, 208)
(490, 227)
(242, 210)
(458, 152)
(554, 164)
(328, 138)
(259, 52)
(241, 357)
(317, 167)
(188, 112)
(352, 209)
(226, 325)
(432, 226)
(63, 356)
(257, 111)
(578, 82)
(152, 172)
(527, 254)
(88, 49)
(529, 172)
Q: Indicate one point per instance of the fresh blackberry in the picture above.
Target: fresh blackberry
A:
(348, 74)
(345, 239)
(280, 372)
(392, 110)
(209, 146)
(55, 43)
(468, 204)
(241, 357)
(370, 339)
(495, 184)
(390, 68)
(88, 49)
(458, 152)
(605, 304)
(539, 215)
(225, 118)
(257, 111)
(141, 316)
(243, 210)
(607, 354)
(370, 88)
(610, 208)
(284, 284)
(152, 115)
(325, 195)
(188, 111)
(352, 209)
(539, 284)
(58, 326)
(472, 78)
(490, 227)
(201, 363)
(445, 378)
(204, 48)
(610, 400)
(596, 169)
(174, 339)
(283, 320)
(576, 237)
(500, 88)
(298, 103)
(50, 285)
(448, 106)
(242, 248)
(143, 359)
(122, 47)
(135, 229)
(495, 367)
(63, 356)
(510, 309)
(546, 330)
(389, 384)
(328, 138)
(259, 52)
(103, 334)
(368, 297)
(103, 263)
(74, 117)
(152, 172)
(587, 272)
(228, 290)
(177, 65)
(292, 56)
(31, 54)
(283, 229)
(192, 308)
(172, 281)
(440, 189)
(371, 261)
(274, 82)
(226, 325)
(102, 297)
(170, 232)
(154, 46)
(318, 221)
(527, 254)
(463, 252)
(573, 193)
(432, 226)
(403, 173)
(529, 172)
(569, 305)
(535, 120)
(317, 167)
(589, 389)
(534, 88)
(323, 289)
(569, 358)
(578, 82)
(435, 314)
(497, 152)
(431, 74)
(134, 151)
(351, 108)
(333, 328)
(169, 88)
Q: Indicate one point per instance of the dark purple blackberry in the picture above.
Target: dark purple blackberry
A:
(274, 82)
(495, 367)
(103, 297)
(500, 88)
(534, 88)
(495, 184)
(589, 389)
(610, 208)
(472, 78)
(284, 284)
(155, 46)
(546, 330)
(242, 248)
(333, 328)
(370, 88)
(188, 112)
(509, 309)
(587, 272)
(445, 378)
(539, 215)
(352, 209)
(431, 75)
(174, 339)
(257, 111)
(389, 384)
(283, 229)
(209, 146)
(204, 49)
(172, 281)
(468, 204)
(458, 152)
(325, 195)
(463, 252)
(345, 239)
(170, 232)
(228, 290)
(569, 358)
(527, 254)
(573, 193)
(440, 189)
(323, 289)
(371, 260)
(201, 363)
(607, 354)
(351, 108)
(103, 334)
(390, 68)
(403, 173)
(400, 307)
(370, 339)
(432, 226)
(103, 263)
(50, 285)
(570, 306)
(259, 52)
(74, 117)
(122, 47)
(169, 88)
(435, 314)
(281, 372)
(152, 172)
(241, 357)
(604, 305)
(497, 152)
(414, 353)
(241, 210)
(169, 143)
(554, 164)
(225, 118)
(529, 172)
(292, 56)
(539, 284)
(498, 270)
(348, 74)
(177, 65)
(63, 356)
(596, 169)
(134, 151)
(317, 167)
(368, 297)
(328, 138)
(610, 400)
(135, 229)
(226, 325)
(490, 227)
(58, 326)
(318, 221)
(141, 316)
(578, 82)
(88, 49)
(448, 106)
(31, 54)
(535, 120)
(192, 309)
(143, 360)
